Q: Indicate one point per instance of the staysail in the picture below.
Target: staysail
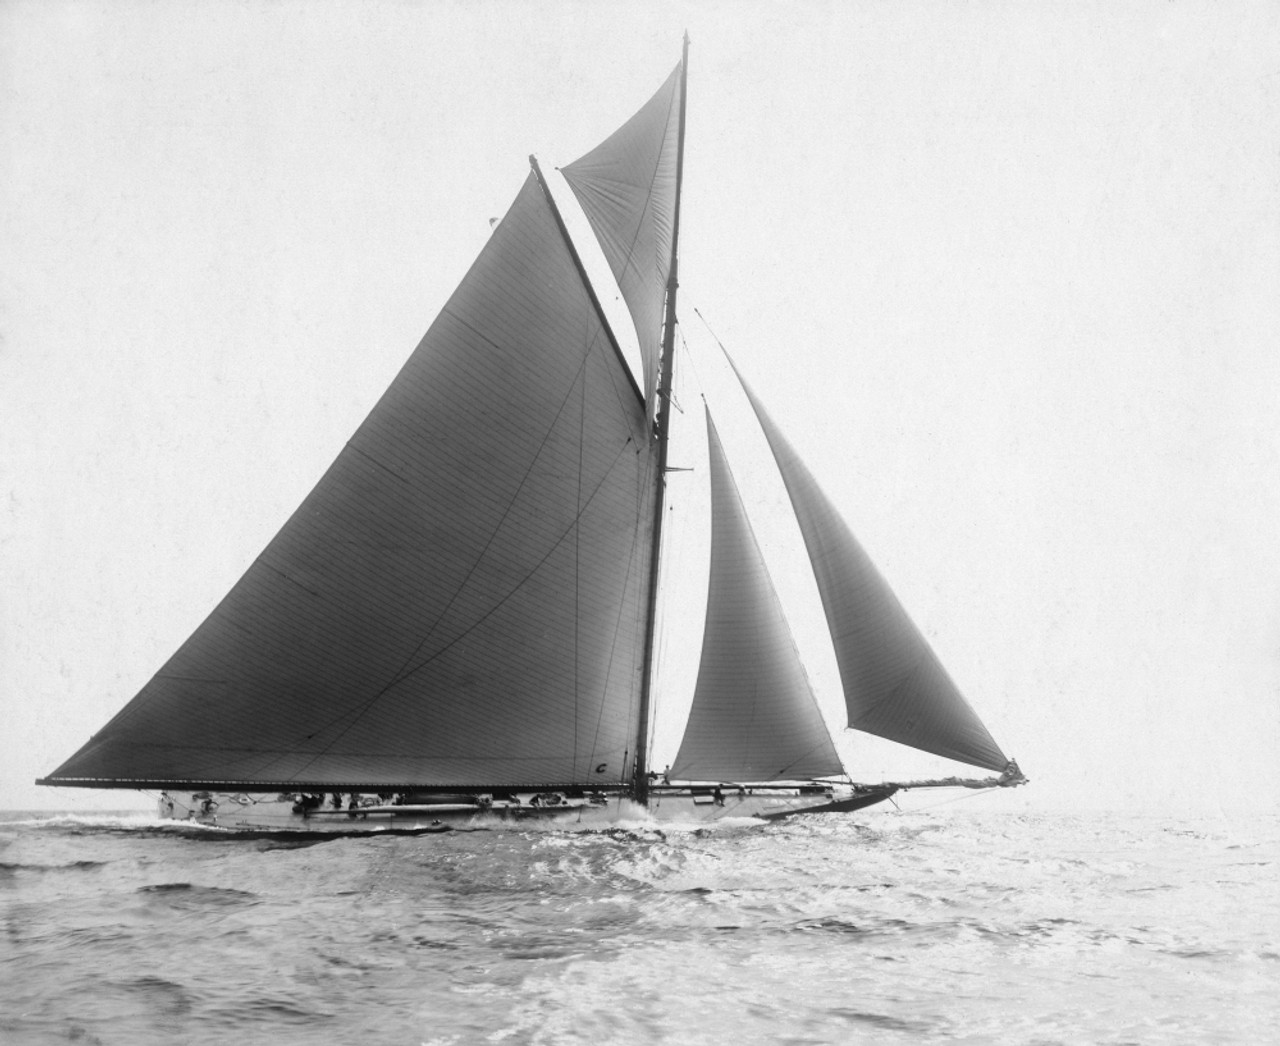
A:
(894, 685)
(627, 186)
(754, 716)
(461, 599)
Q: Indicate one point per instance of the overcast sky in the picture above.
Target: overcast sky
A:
(1006, 274)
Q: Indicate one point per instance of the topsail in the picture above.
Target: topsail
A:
(627, 188)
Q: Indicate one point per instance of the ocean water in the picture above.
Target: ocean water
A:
(955, 925)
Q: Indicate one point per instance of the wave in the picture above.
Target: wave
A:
(105, 821)
(8, 868)
(196, 892)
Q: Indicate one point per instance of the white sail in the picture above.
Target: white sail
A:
(754, 717)
(461, 598)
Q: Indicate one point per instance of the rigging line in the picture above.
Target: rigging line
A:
(971, 793)
(363, 709)
(622, 400)
(805, 754)
(674, 539)
(577, 570)
(644, 508)
(689, 358)
(716, 337)
(403, 672)
(130, 709)
(709, 330)
(661, 432)
(579, 376)
(637, 432)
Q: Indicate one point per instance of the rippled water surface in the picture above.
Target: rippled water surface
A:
(946, 926)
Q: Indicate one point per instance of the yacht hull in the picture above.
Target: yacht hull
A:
(668, 804)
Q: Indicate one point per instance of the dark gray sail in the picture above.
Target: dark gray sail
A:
(894, 684)
(627, 187)
(754, 716)
(461, 599)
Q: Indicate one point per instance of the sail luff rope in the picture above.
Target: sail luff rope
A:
(577, 573)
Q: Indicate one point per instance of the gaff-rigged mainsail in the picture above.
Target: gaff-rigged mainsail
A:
(754, 716)
(461, 599)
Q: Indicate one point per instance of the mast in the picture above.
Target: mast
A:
(662, 424)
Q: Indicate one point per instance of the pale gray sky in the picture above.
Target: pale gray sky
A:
(1006, 274)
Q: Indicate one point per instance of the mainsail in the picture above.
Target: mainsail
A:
(461, 598)
(754, 716)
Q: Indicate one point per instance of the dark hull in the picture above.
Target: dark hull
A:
(668, 804)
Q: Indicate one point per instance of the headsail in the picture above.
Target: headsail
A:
(754, 716)
(461, 598)
(894, 684)
(627, 188)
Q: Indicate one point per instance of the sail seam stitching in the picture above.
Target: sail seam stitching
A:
(403, 672)
(362, 711)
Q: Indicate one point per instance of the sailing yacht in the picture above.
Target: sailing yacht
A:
(459, 622)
